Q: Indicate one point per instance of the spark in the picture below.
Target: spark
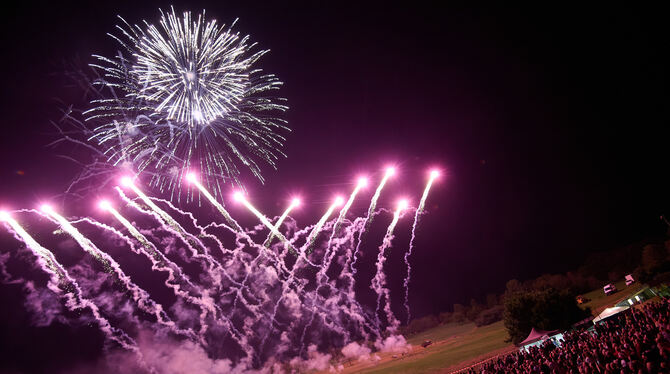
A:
(239, 197)
(63, 282)
(257, 297)
(46, 255)
(187, 92)
(379, 280)
(75, 234)
(195, 245)
(388, 173)
(362, 183)
(295, 202)
(339, 200)
(140, 296)
(193, 179)
(330, 253)
(105, 205)
(434, 174)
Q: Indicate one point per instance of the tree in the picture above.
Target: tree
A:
(421, 324)
(445, 317)
(492, 300)
(460, 313)
(548, 309)
(513, 285)
(475, 309)
(489, 316)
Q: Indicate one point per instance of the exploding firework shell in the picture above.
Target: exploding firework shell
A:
(186, 95)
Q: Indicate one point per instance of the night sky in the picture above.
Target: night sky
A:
(550, 124)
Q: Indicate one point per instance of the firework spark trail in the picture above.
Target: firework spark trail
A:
(61, 283)
(329, 254)
(433, 175)
(139, 295)
(286, 284)
(202, 258)
(194, 180)
(268, 301)
(236, 253)
(240, 197)
(379, 280)
(309, 242)
(330, 250)
(176, 278)
(158, 261)
(240, 235)
(263, 252)
(319, 282)
(196, 243)
(347, 270)
(319, 225)
(358, 313)
(348, 276)
(291, 280)
(213, 268)
(390, 171)
(205, 302)
(202, 230)
(294, 203)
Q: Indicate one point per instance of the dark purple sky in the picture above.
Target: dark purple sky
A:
(550, 122)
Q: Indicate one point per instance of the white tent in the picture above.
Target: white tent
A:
(609, 312)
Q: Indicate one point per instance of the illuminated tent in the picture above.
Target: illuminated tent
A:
(609, 312)
(537, 335)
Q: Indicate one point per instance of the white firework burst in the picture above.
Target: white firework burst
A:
(185, 94)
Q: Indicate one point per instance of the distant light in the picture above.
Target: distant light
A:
(402, 204)
(197, 115)
(238, 196)
(191, 177)
(434, 173)
(339, 201)
(295, 202)
(104, 205)
(4, 215)
(126, 181)
(46, 208)
(390, 171)
(362, 182)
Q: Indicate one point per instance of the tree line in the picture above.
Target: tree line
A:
(548, 301)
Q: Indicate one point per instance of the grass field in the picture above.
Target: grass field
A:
(456, 346)
(452, 345)
(599, 301)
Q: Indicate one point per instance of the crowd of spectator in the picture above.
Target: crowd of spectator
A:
(634, 341)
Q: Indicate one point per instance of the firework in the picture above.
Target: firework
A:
(295, 202)
(186, 92)
(422, 204)
(339, 200)
(192, 178)
(268, 306)
(239, 197)
(379, 280)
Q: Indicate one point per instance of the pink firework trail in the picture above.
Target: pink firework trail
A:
(422, 204)
(251, 303)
